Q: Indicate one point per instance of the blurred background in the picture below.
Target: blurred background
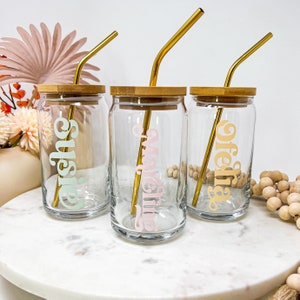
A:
(202, 57)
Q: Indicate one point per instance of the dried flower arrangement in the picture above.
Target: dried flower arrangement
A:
(38, 57)
(18, 119)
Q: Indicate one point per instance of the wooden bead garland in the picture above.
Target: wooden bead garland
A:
(173, 171)
(281, 195)
(194, 170)
(290, 290)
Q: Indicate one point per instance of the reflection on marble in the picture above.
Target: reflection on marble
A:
(74, 260)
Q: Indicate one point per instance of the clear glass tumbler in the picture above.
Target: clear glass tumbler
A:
(148, 162)
(221, 134)
(75, 152)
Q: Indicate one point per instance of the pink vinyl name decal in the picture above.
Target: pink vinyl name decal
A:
(152, 187)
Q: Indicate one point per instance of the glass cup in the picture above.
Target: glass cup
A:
(148, 162)
(75, 152)
(224, 159)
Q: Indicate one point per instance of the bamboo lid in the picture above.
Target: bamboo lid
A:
(236, 96)
(148, 97)
(149, 91)
(71, 89)
(223, 91)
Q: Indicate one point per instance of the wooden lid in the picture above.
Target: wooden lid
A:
(223, 91)
(71, 89)
(149, 91)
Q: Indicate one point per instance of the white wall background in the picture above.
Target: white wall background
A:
(227, 29)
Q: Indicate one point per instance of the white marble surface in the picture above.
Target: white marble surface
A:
(86, 260)
(9, 291)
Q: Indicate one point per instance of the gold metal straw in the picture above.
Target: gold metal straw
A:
(91, 54)
(71, 111)
(153, 79)
(218, 116)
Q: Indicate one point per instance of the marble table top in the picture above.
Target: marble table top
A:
(63, 260)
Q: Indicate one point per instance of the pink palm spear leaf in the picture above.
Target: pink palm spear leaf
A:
(41, 58)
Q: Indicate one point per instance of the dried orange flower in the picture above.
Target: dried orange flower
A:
(4, 129)
(23, 123)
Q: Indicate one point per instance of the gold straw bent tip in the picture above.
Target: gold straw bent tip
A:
(268, 36)
(198, 13)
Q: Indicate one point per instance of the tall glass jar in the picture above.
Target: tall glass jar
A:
(148, 162)
(75, 152)
(221, 134)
